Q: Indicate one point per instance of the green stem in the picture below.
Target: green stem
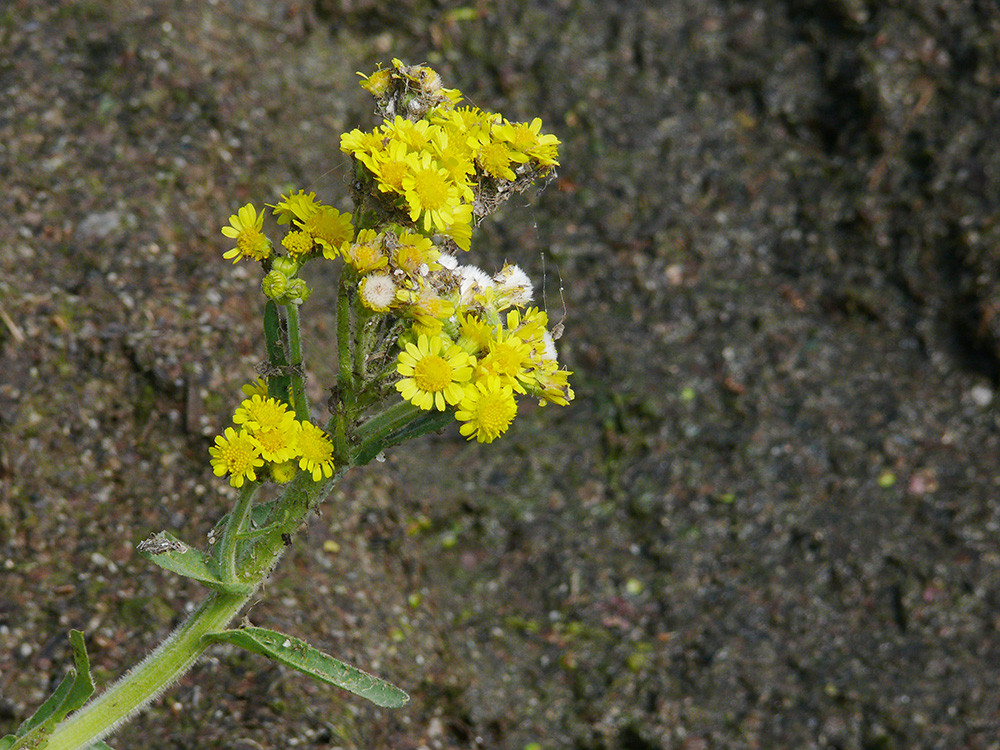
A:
(234, 528)
(399, 422)
(365, 323)
(299, 400)
(346, 386)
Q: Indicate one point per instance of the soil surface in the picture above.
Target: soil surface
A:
(770, 518)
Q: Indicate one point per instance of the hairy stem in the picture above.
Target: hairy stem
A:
(234, 528)
(299, 401)
(345, 380)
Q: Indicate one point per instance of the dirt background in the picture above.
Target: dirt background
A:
(768, 521)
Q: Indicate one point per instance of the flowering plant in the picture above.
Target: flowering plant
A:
(422, 340)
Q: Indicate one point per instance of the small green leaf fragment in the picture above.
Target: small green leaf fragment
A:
(77, 686)
(49, 707)
(83, 685)
(298, 654)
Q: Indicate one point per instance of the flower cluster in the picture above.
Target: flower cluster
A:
(478, 347)
(447, 336)
(439, 166)
(267, 433)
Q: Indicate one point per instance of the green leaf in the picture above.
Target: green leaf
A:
(172, 554)
(76, 687)
(99, 745)
(50, 706)
(299, 655)
(278, 380)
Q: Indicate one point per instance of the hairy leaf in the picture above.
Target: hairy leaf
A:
(170, 553)
(299, 655)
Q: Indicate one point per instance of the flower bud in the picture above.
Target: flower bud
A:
(297, 292)
(274, 284)
(284, 472)
(285, 265)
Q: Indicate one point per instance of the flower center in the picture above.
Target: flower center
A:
(432, 373)
(239, 457)
(506, 360)
(297, 243)
(523, 138)
(314, 448)
(431, 188)
(495, 158)
(392, 174)
(495, 413)
(253, 244)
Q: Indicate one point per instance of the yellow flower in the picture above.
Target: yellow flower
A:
(430, 193)
(431, 305)
(461, 230)
(359, 142)
(389, 166)
(245, 229)
(300, 206)
(433, 370)
(298, 244)
(509, 359)
(452, 152)
(237, 455)
(529, 326)
(261, 412)
(331, 230)
(365, 253)
(495, 157)
(278, 444)
(315, 451)
(377, 84)
(256, 388)
(475, 334)
(552, 384)
(415, 254)
(487, 409)
(417, 136)
(464, 121)
(525, 138)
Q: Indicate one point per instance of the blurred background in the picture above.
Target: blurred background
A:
(769, 519)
